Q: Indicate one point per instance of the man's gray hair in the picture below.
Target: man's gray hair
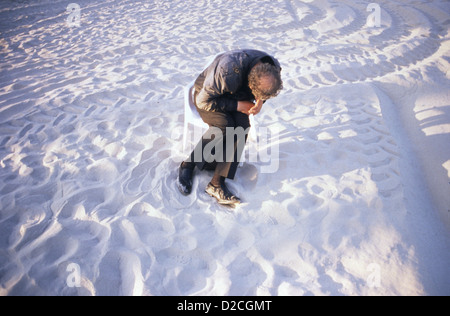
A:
(265, 70)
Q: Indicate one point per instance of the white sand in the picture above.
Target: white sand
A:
(360, 202)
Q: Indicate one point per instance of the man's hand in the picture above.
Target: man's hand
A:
(250, 108)
(257, 108)
(245, 107)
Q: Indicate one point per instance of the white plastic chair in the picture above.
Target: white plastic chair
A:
(191, 115)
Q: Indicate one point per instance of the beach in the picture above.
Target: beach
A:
(345, 186)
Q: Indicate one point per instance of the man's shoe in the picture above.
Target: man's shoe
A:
(223, 195)
(185, 180)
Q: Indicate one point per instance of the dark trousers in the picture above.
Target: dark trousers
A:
(228, 131)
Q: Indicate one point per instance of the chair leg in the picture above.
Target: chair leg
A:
(185, 136)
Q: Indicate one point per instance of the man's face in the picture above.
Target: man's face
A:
(265, 84)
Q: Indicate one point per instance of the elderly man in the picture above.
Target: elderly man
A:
(233, 87)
